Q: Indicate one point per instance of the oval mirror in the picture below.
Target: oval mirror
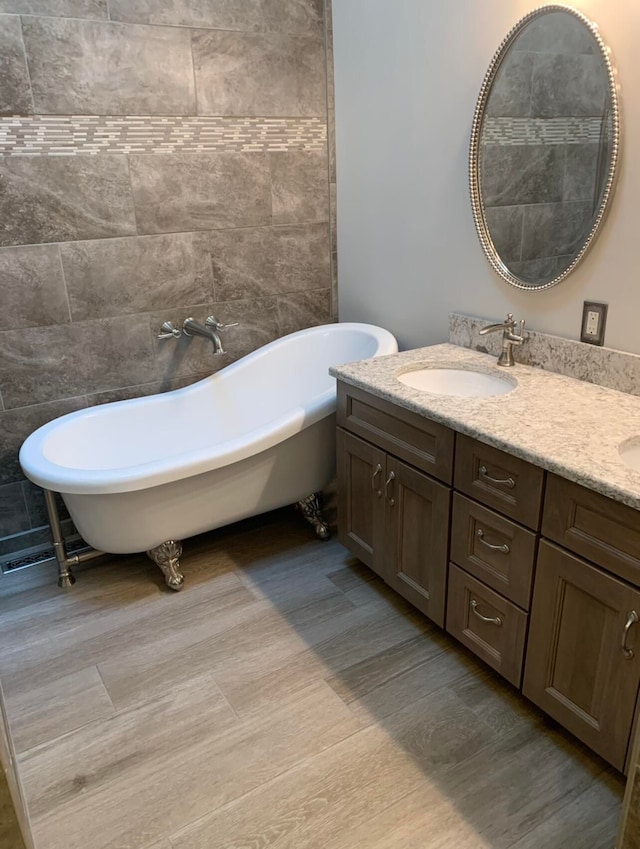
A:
(544, 147)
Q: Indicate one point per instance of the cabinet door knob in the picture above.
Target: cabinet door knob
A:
(378, 470)
(492, 620)
(389, 481)
(632, 618)
(508, 482)
(503, 548)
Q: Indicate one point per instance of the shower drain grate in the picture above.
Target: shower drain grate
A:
(42, 556)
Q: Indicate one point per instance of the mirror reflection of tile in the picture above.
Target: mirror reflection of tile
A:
(542, 154)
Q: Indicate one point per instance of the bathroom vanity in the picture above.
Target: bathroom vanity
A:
(509, 520)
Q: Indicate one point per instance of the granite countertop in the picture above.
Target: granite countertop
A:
(566, 426)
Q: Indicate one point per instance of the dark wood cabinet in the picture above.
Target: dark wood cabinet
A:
(361, 479)
(583, 656)
(396, 520)
(417, 537)
(575, 647)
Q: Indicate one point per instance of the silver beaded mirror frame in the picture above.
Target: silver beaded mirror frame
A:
(534, 132)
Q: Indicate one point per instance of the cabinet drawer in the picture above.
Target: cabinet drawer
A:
(602, 530)
(493, 549)
(424, 444)
(499, 480)
(487, 624)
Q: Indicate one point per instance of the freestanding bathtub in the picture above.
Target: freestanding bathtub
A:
(144, 474)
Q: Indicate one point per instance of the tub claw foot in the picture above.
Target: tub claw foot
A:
(167, 557)
(312, 512)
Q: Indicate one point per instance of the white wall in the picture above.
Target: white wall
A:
(407, 77)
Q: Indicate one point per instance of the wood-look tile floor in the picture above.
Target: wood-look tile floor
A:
(285, 699)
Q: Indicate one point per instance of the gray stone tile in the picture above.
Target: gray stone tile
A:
(181, 192)
(47, 363)
(16, 544)
(55, 199)
(511, 91)
(556, 32)
(299, 186)
(568, 86)
(328, 16)
(15, 91)
(334, 250)
(505, 227)
(96, 9)
(515, 174)
(259, 74)
(555, 229)
(87, 67)
(14, 517)
(304, 309)
(16, 425)
(33, 290)
(303, 17)
(260, 261)
(241, 15)
(331, 107)
(112, 277)
(34, 500)
(581, 172)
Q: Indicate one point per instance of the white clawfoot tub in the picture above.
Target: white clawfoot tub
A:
(142, 474)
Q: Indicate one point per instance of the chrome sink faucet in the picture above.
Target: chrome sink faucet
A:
(509, 338)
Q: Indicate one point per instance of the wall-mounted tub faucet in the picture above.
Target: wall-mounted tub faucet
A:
(209, 330)
(509, 338)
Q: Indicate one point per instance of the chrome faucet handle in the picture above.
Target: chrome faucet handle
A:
(168, 331)
(212, 321)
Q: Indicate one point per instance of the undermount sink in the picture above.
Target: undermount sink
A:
(630, 453)
(464, 383)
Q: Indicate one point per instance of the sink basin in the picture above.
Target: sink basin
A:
(464, 383)
(630, 453)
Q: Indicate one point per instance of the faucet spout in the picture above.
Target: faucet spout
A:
(191, 327)
(509, 338)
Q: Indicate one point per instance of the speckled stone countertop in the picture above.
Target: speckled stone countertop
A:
(566, 426)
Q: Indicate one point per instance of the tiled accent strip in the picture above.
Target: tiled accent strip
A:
(511, 131)
(69, 135)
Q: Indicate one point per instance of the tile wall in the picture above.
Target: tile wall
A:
(158, 159)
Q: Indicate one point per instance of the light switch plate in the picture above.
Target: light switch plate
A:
(594, 321)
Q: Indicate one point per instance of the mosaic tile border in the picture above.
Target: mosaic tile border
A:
(512, 131)
(70, 135)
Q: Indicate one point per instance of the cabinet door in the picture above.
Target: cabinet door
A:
(583, 656)
(417, 537)
(361, 470)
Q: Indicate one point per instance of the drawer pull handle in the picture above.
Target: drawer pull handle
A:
(632, 618)
(378, 492)
(503, 548)
(389, 481)
(491, 620)
(508, 482)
